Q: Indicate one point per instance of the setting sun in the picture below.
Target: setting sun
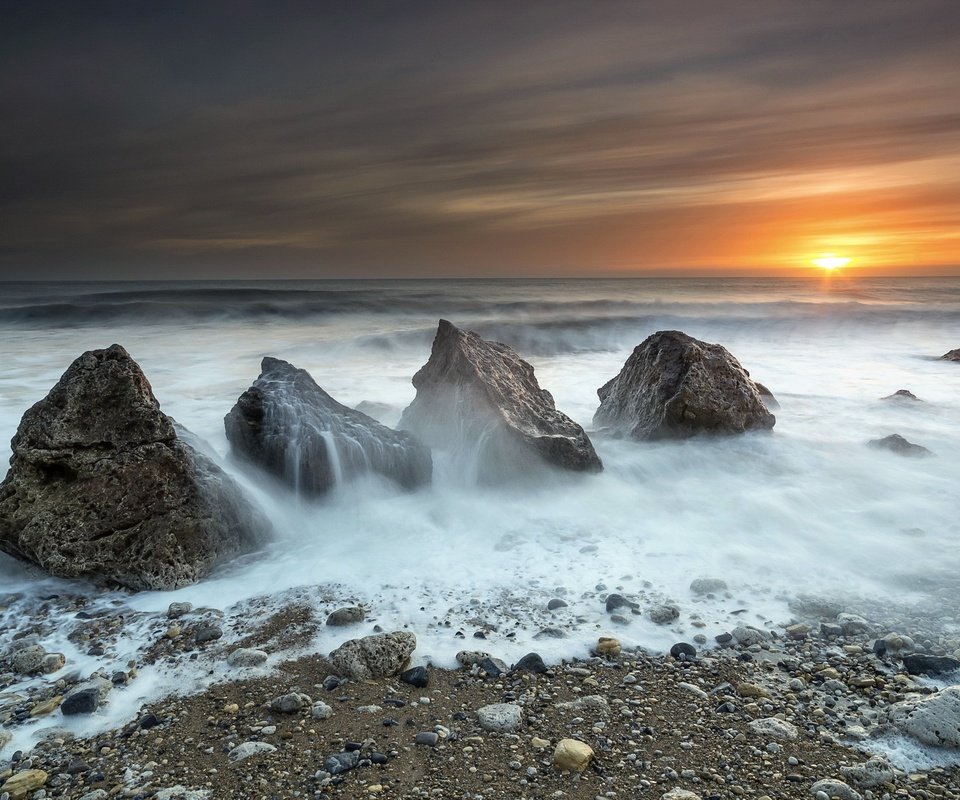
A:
(830, 262)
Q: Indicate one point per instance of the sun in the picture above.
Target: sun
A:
(830, 262)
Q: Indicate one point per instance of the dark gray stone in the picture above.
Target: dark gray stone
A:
(953, 355)
(674, 386)
(428, 738)
(339, 763)
(416, 676)
(531, 662)
(556, 603)
(922, 664)
(346, 616)
(286, 424)
(82, 701)
(104, 486)
(207, 633)
(482, 401)
(682, 651)
(903, 394)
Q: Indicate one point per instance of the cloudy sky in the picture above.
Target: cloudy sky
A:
(239, 139)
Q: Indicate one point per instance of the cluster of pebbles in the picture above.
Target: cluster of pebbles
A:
(802, 709)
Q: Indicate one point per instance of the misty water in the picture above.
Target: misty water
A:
(808, 509)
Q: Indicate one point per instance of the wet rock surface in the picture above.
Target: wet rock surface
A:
(895, 443)
(104, 486)
(482, 401)
(290, 427)
(675, 386)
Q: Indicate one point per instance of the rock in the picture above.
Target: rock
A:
(482, 401)
(377, 656)
(177, 610)
(21, 784)
(287, 425)
(81, 701)
(468, 658)
(835, 789)
(290, 702)
(798, 632)
(693, 689)
(339, 763)
(853, 624)
(679, 794)
(663, 615)
(428, 738)
(500, 717)
(593, 704)
(531, 662)
(104, 486)
(767, 396)
(247, 749)
(902, 394)
(934, 720)
(683, 651)
(417, 676)
(746, 689)
(608, 646)
(953, 355)
(869, 774)
(615, 601)
(921, 664)
(346, 616)
(494, 667)
(46, 707)
(207, 633)
(53, 662)
(321, 710)
(702, 586)
(28, 660)
(556, 603)
(247, 657)
(895, 443)
(746, 636)
(674, 386)
(773, 729)
(572, 755)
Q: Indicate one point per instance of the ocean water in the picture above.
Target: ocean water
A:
(808, 509)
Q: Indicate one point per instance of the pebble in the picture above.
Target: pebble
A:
(207, 633)
(776, 729)
(531, 662)
(832, 788)
(683, 651)
(351, 615)
(247, 657)
(177, 610)
(428, 738)
(416, 676)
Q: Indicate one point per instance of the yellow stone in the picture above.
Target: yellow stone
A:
(46, 706)
(608, 646)
(540, 744)
(23, 783)
(173, 632)
(375, 788)
(231, 708)
(752, 690)
(572, 755)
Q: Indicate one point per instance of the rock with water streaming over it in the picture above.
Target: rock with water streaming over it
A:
(286, 424)
(895, 443)
(482, 401)
(952, 355)
(103, 485)
(674, 386)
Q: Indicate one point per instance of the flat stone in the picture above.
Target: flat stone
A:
(833, 788)
(703, 586)
(21, 784)
(177, 610)
(501, 717)
(247, 657)
(774, 729)
(248, 749)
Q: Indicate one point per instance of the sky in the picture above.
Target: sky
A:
(423, 139)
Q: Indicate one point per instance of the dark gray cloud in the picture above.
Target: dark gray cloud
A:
(433, 138)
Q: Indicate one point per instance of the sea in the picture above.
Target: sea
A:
(807, 510)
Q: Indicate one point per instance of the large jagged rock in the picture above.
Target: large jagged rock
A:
(481, 401)
(953, 355)
(934, 719)
(381, 655)
(289, 426)
(103, 486)
(674, 386)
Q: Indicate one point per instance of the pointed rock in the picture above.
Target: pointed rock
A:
(895, 443)
(482, 401)
(289, 426)
(674, 386)
(103, 485)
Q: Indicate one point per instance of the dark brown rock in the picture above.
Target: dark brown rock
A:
(286, 424)
(674, 386)
(895, 443)
(103, 486)
(903, 394)
(482, 401)
(766, 395)
(953, 355)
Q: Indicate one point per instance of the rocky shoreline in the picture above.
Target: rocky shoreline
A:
(776, 712)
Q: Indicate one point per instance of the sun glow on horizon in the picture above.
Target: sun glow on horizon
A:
(830, 262)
